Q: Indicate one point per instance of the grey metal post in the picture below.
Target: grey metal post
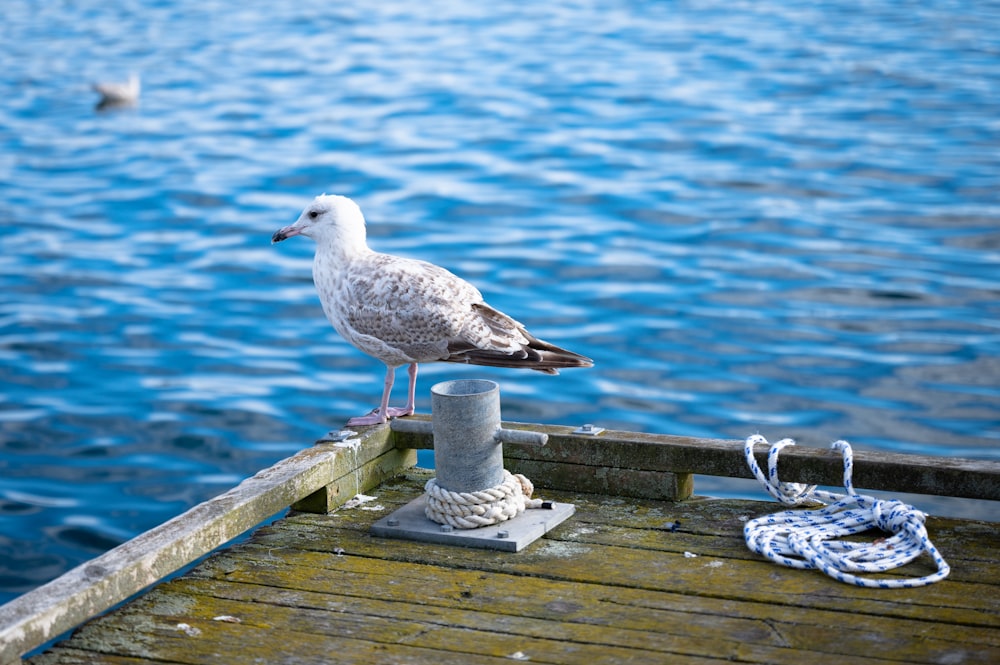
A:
(468, 455)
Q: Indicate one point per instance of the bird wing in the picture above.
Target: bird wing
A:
(402, 310)
(409, 305)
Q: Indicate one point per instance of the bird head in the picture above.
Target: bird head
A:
(328, 219)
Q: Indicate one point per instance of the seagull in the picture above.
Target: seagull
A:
(118, 93)
(405, 311)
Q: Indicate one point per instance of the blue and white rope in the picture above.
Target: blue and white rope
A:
(806, 539)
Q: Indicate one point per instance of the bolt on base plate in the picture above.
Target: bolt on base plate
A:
(410, 523)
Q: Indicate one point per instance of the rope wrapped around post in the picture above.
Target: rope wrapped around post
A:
(470, 510)
(807, 539)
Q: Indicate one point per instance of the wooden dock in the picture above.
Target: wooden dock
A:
(642, 573)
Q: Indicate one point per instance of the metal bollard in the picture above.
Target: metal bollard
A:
(468, 455)
(466, 417)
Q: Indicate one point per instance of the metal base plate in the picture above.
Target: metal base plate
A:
(410, 523)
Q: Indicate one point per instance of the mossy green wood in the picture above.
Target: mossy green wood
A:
(616, 584)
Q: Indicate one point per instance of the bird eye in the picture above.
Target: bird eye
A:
(313, 214)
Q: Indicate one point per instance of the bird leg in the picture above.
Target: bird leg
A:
(395, 411)
(384, 411)
(411, 394)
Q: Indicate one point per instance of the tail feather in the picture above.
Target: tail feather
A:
(510, 345)
(538, 355)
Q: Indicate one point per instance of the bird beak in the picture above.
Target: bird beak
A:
(287, 232)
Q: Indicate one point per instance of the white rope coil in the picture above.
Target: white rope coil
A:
(470, 510)
(805, 539)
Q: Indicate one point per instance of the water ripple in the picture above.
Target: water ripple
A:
(774, 217)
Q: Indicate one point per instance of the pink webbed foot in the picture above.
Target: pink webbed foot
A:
(399, 412)
(376, 417)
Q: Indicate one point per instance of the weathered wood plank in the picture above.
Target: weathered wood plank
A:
(833, 601)
(605, 587)
(673, 622)
(402, 630)
(661, 485)
(208, 642)
(706, 526)
(722, 577)
(44, 613)
(471, 600)
(916, 474)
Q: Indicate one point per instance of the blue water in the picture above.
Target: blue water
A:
(774, 217)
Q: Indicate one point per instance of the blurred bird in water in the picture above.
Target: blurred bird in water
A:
(115, 94)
